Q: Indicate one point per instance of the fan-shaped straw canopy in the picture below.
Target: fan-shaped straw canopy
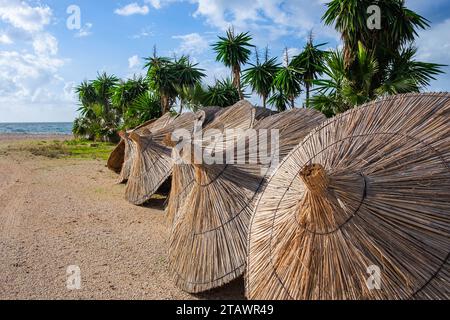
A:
(367, 191)
(241, 115)
(152, 162)
(130, 146)
(118, 156)
(208, 239)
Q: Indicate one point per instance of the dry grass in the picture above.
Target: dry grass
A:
(56, 149)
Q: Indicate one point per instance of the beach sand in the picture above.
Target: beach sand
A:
(55, 213)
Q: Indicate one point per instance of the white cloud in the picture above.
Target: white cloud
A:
(155, 3)
(434, 46)
(434, 43)
(21, 15)
(131, 9)
(191, 43)
(267, 20)
(29, 71)
(133, 62)
(84, 31)
(5, 39)
(45, 44)
(24, 74)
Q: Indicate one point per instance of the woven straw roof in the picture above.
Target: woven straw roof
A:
(208, 239)
(241, 115)
(370, 187)
(120, 159)
(152, 162)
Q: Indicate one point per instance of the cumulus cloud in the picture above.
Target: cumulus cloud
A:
(191, 43)
(5, 39)
(30, 75)
(132, 9)
(45, 44)
(133, 62)
(23, 16)
(25, 74)
(154, 3)
(434, 46)
(267, 20)
(434, 43)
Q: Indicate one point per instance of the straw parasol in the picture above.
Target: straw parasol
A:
(241, 115)
(130, 146)
(360, 209)
(116, 158)
(152, 162)
(211, 224)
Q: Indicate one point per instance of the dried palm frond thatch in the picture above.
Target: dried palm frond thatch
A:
(360, 209)
(208, 239)
(152, 162)
(116, 158)
(241, 115)
(129, 147)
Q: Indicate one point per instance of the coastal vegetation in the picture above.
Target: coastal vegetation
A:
(372, 63)
(65, 149)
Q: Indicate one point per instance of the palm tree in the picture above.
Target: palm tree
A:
(222, 94)
(104, 88)
(233, 51)
(399, 27)
(261, 76)
(188, 76)
(126, 92)
(161, 79)
(145, 107)
(167, 76)
(86, 93)
(289, 80)
(344, 88)
(191, 97)
(279, 100)
(99, 119)
(310, 60)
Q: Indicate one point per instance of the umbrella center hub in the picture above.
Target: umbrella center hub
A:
(329, 201)
(315, 178)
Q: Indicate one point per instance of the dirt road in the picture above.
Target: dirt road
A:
(55, 213)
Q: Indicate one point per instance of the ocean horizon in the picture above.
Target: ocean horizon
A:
(36, 127)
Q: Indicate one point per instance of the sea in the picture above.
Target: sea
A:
(36, 128)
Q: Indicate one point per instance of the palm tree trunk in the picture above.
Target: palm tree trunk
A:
(307, 85)
(264, 99)
(165, 104)
(292, 99)
(237, 80)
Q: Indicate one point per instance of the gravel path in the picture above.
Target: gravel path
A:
(60, 212)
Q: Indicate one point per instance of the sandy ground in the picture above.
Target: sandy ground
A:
(60, 212)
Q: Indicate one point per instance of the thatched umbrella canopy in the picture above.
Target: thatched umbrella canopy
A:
(152, 162)
(241, 115)
(119, 155)
(116, 158)
(367, 190)
(208, 239)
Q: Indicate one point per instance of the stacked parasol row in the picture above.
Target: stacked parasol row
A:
(358, 206)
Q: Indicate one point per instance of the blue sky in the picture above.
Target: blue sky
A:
(41, 59)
